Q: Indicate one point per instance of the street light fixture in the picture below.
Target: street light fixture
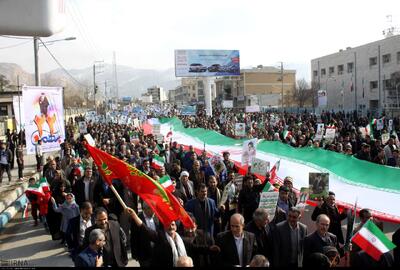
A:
(36, 46)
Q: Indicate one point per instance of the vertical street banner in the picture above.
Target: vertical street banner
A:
(44, 117)
(249, 151)
(18, 106)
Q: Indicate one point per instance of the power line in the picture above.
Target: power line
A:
(15, 45)
(6, 36)
(61, 66)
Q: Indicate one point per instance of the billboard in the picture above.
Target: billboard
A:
(207, 63)
(44, 117)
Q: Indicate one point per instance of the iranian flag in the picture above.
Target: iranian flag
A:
(268, 187)
(286, 134)
(166, 182)
(273, 172)
(372, 240)
(158, 162)
(38, 188)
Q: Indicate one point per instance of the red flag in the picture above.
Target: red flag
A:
(165, 206)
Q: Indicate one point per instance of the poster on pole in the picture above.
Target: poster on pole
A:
(82, 127)
(18, 106)
(320, 132)
(319, 185)
(322, 98)
(249, 151)
(268, 201)
(385, 138)
(227, 104)
(44, 117)
(259, 166)
(330, 134)
(207, 63)
(240, 129)
(217, 164)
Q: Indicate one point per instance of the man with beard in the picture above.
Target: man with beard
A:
(114, 250)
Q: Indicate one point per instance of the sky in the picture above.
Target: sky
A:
(144, 34)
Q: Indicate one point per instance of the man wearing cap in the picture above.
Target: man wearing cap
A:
(5, 159)
(186, 187)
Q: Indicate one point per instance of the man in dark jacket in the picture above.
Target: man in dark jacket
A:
(261, 229)
(114, 250)
(330, 209)
(316, 241)
(91, 256)
(142, 247)
(288, 240)
(5, 159)
(76, 228)
(84, 187)
(237, 246)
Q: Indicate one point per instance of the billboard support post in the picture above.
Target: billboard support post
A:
(207, 88)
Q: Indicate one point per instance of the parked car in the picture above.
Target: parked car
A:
(214, 68)
(196, 67)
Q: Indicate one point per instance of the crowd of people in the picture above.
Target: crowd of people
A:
(302, 128)
(82, 212)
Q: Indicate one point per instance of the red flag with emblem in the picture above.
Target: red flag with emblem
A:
(165, 205)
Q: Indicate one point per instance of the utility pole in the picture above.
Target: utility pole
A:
(36, 55)
(282, 85)
(94, 85)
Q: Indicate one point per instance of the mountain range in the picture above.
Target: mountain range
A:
(131, 81)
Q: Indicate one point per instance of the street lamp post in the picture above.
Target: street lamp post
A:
(36, 54)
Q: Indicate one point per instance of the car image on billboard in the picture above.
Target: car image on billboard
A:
(196, 67)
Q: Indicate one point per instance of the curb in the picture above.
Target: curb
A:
(11, 211)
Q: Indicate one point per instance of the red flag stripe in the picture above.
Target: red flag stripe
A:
(370, 249)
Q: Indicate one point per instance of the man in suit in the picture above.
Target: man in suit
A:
(76, 228)
(114, 250)
(186, 187)
(204, 210)
(316, 241)
(142, 247)
(237, 246)
(84, 187)
(92, 255)
(288, 240)
(261, 229)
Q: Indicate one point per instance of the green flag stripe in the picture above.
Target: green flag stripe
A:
(350, 169)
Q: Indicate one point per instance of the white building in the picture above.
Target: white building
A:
(158, 94)
(361, 78)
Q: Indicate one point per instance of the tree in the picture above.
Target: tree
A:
(4, 83)
(302, 94)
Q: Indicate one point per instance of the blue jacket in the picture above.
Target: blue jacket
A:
(194, 207)
(87, 258)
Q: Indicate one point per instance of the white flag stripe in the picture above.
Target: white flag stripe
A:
(373, 240)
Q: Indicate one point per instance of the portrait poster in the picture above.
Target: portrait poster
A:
(217, 164)
(319, 185)
(44, 117)
(240, 129)
(249, 151)
(260, 167)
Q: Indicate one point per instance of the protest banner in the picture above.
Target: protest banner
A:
(249, 151)
(268, 201)
(260, 167)
(330, 134)
(319, 185)
(320, 132)
(82, 127)
(240, 129)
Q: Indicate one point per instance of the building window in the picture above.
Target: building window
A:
(331, 70)
(398, 57)
(315, 73)
(388, 84)
(323, 72)
(340, 69)
(386, 58)
(3, 110)
(373, 61)
(373, 85)
(350, 67)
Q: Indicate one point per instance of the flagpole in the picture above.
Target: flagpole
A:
(118, 196)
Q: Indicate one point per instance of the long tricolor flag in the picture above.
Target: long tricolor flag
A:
(372, 240)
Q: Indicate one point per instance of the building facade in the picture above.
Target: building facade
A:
(191, 91)
(258, 86)
(364, 78)
(158, 94)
